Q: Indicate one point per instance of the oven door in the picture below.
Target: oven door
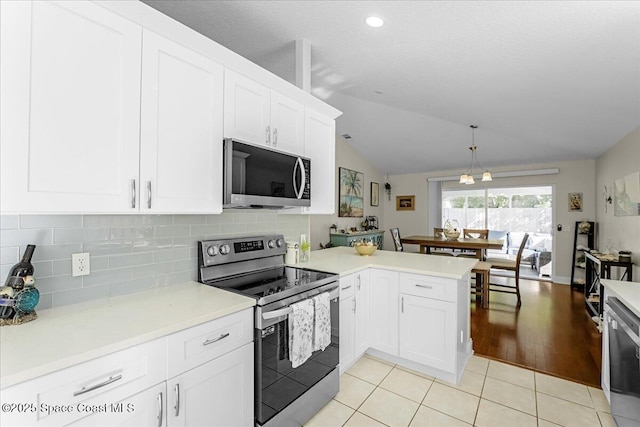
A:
(277, 383)
(256, 176)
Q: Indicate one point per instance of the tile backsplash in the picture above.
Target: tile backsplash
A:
(129, 253)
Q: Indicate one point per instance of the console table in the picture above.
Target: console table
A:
(348, 239)
(598, 266)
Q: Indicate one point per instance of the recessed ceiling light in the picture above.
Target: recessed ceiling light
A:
(374, 21)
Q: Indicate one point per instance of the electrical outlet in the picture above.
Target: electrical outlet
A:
(80, 264)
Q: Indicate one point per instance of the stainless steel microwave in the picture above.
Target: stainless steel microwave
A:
(259, 177)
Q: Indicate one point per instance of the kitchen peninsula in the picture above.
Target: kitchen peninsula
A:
(407, 308)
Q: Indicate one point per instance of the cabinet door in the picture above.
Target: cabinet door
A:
(287, 124)
(145, 409)
(181, 134)
(70, 107)
(383, 310)
(347, 307)
(320, 147)
(218, 393)
(428, 331)
(361, 320)
(247, 107)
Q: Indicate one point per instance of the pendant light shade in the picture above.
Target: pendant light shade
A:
(467, 177)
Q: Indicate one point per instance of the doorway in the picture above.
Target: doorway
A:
(508, 213)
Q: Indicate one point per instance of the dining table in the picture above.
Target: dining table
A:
(464, 243)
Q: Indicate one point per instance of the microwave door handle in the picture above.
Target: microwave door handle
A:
(299, 190)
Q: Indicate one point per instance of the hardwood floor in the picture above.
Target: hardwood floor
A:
(551, 332)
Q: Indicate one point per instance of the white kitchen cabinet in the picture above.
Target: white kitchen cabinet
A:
(256, 114)
(320, 147)
(383, 310)
(218, 393)
(70, 107)
(361, 319)
(353, 318)
(428, 331)
(145, 409)
(181, 129)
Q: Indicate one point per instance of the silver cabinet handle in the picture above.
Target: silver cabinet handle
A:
(84, 390)
(268, 135)
(149, 194)
(358, 282)
(212, 340)
(133, 193)
(424, 286)
(160, 409)
(176, 407)
(354, 305)
(275, 136)
(402, 305)
(346, 287)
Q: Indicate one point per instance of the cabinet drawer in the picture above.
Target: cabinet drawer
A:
(347, 286)
(428, 287)
(67, 395)
(195, 346)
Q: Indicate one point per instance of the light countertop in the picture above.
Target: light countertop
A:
(345, 260)
(627, 292)
(64, 336)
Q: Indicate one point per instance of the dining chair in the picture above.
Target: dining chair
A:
(395, 235)
(509, 265)
(473, 233)
(439, 232)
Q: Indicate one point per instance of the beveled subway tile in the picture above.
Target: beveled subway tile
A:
(107, 248)
(189, 219)
(489, 413)
(130, 286)
(232, 228)
(9, 222)
(353, 391)
(172, 231)
(450, 401)
(389, 408)
(56, 252)
(430, 417)
(38, 237)
(130, 233)
(563, 412)
(406, 384)
(107, 220)
(9, 255)
(105, 277)
(333, 414)
(511, 395)
(44, 302)
(471, 382)
(171, 255)
(130, 260)
(511, 374)
(50, 221)
(49, 285)
(79, 295)
(42, 269)
(151, 270)
(204, 231)
(68, 235)
(369, 370)
(563, 389)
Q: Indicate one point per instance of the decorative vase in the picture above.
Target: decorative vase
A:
(451, 229)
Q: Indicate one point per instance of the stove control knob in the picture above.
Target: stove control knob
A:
(224, 249)
(271, 244)
(279, 243)
(212, 251)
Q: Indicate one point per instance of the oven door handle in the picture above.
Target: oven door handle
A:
(277, 313)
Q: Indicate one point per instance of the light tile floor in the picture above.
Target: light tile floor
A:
(377, 393)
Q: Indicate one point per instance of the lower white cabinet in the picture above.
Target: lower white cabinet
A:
(218, 393)
(354, 339)
(361, 318)
(383, 310)
(145, 409)
(428, 331)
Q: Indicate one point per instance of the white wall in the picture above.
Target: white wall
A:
(347, 157)
(576, 176)
(618, 232)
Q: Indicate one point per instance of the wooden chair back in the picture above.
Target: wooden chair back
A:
(395, 235)
(520, 250)
(438, 232)
(478, 233)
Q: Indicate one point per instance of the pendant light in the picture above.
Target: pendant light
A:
(467, 177)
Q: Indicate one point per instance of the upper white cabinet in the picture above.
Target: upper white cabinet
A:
(254, 113)
(320, 147)
(70, 107)
(181, 131)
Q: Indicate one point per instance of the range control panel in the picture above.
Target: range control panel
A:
(223, 251)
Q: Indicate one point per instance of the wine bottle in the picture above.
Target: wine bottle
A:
(19, 272)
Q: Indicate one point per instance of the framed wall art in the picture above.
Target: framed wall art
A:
(375, 194)
(405, 203)
(575, 202)
(351, 193)
(626, 195)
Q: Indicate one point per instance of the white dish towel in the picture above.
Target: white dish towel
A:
(322, 326)
(301, 321)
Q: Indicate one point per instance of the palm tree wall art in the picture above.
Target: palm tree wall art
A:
(351, 193)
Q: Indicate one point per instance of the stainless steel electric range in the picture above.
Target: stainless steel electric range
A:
(254, 267)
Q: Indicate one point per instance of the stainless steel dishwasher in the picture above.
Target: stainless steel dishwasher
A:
(624, 358)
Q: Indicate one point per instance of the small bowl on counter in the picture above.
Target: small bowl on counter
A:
(365, 249)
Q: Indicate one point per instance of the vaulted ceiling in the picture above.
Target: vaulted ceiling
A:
(544, 80)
